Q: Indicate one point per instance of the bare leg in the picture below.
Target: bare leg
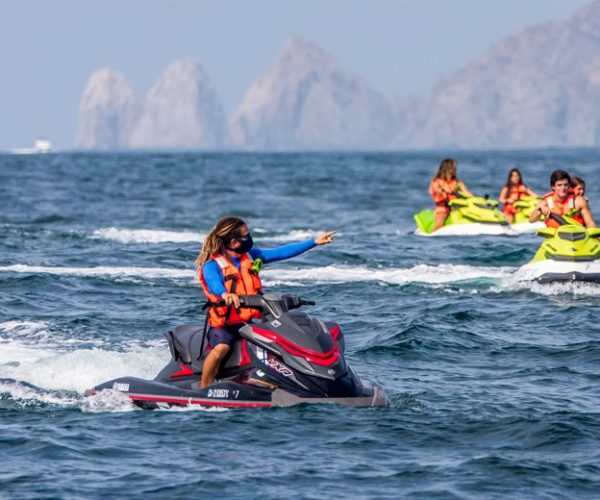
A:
(440, 218)
(510, 218)
(212, 364)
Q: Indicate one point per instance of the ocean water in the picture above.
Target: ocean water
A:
(494, 384)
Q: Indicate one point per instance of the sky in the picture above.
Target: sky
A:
(49, 48)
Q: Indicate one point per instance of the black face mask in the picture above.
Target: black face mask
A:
(246, 244)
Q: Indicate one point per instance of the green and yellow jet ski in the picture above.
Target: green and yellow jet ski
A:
(570, 252)
(469, 216)
(524, 207)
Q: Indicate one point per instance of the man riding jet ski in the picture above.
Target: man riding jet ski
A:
(571, 250)
(284, 358)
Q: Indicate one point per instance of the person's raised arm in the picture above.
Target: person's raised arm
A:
(541, 209)
(292, 249)
(463, 189)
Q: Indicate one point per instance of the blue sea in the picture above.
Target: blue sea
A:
(494, 383)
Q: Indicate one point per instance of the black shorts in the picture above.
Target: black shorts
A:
(226, 335)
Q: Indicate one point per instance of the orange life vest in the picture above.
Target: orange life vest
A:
(242, 281)
(516, 192)
(443, 191)
(566, 207)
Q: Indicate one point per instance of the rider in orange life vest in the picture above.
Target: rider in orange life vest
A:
(225, 269)
(443, 188)
(562, 201)
(513, 190)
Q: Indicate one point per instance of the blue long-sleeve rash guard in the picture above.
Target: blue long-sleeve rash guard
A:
(214, 276)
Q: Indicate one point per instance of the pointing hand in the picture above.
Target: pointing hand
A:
(325, 238)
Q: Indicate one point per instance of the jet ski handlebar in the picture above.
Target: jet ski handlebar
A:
(272, 304)
(562, 221)
(262, 302)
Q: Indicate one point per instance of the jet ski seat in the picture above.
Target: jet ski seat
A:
(185, 342)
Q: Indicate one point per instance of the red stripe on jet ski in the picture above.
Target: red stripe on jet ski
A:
(244, 357)
(185, 370)
(335, 332)
(324, 359)
(201, 402)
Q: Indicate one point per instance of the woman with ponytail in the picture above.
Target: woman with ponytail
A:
(227, 267)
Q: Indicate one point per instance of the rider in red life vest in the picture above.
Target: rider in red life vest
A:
(513, 190)
(444, 187)
(562, 201)
(225, 270)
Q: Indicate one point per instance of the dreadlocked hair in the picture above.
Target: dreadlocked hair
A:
(226, 229)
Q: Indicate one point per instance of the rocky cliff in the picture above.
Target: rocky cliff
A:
(538, 87)
(108, 110)
(181, 111)
(308, 101)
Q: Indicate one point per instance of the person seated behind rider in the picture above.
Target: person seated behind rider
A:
(562, 201)
(578, 187)
(513, 191)
(226, 268)
(444, 187)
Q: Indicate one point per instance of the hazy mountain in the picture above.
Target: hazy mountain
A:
(182, 110)
(107, 112)
(308, 101)
(538, 87)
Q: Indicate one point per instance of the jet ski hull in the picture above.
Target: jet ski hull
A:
(150, 394)
(470, 216)
(471, 229)
(549, 271)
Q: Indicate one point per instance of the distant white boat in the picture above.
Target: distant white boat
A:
(40, 146)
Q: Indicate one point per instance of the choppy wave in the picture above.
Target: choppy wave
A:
(32, 376)
(514, 283)
(38, 367)
(24, 394)
(75, 371)
(129, 236)
(147, 235)
(146, 272)
(294, 235)
(445, 273)
(37, 330)
(422, 273)
(500, 278)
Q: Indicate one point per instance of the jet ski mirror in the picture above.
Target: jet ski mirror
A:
(563, 220)
(458, 202)
(594, 232)
(546, 232)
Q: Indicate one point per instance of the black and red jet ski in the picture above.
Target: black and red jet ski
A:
(286, 358)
